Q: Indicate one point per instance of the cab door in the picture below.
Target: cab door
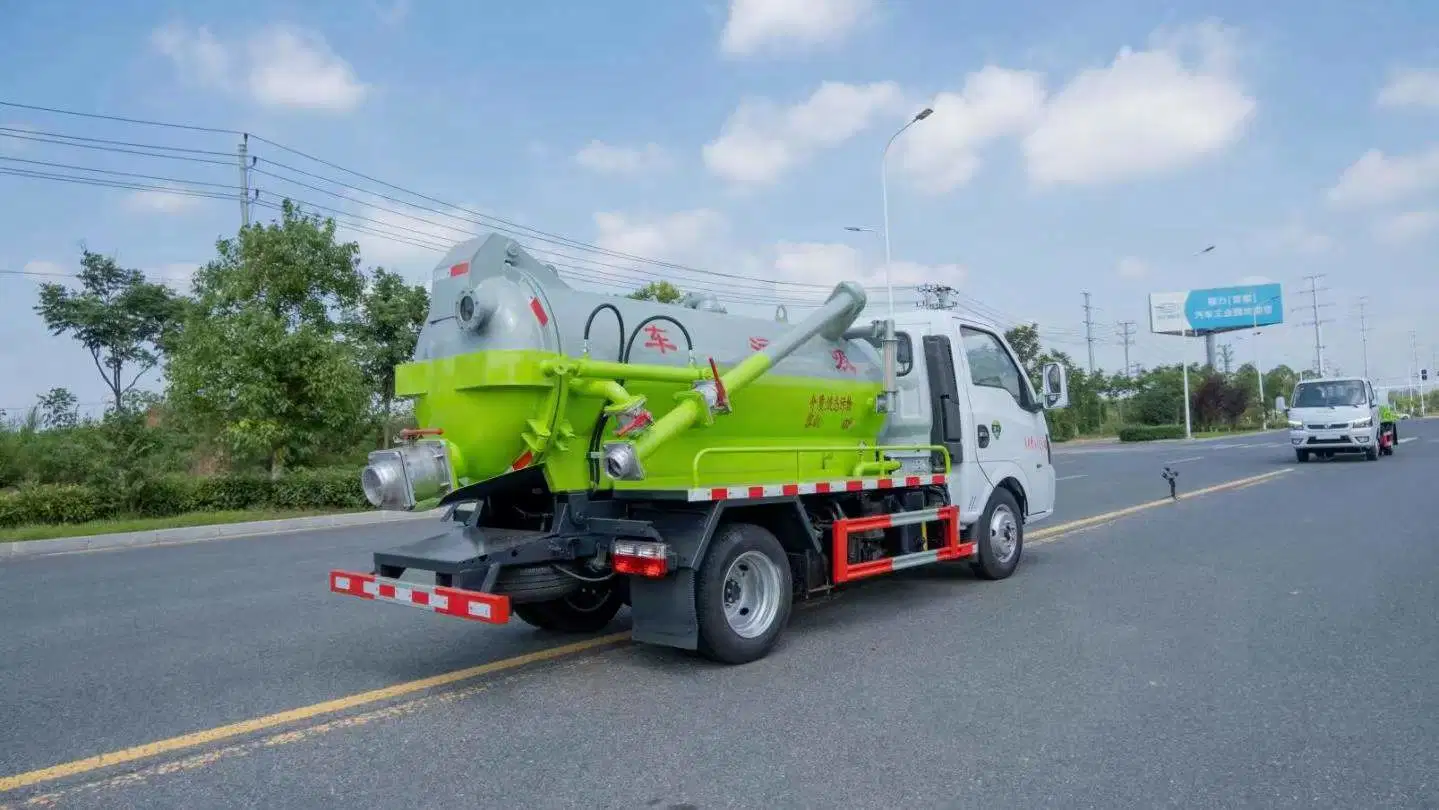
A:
(1010, 432)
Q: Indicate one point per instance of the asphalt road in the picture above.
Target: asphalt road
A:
(1268, 646)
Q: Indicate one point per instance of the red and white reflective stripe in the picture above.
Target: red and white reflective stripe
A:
(953, 549)
(814, 488)
(480, 607)
(459, 269)
(539, 310)
(526, 459)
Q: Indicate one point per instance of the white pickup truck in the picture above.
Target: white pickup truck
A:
(1337, 415)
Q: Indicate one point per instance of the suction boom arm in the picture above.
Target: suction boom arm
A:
(623, 460)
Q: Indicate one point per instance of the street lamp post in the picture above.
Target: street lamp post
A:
(1259, 366)
(891, 341)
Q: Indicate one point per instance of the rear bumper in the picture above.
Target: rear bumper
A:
(457, 602)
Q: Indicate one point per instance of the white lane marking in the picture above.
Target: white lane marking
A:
(1182, 460)
(1410, 439)
(1070, 477)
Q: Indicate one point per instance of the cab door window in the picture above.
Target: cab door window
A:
(990, 366)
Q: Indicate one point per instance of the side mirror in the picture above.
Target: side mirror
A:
(1280, 404)
(1056, 386)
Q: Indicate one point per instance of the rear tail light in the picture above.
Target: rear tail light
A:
(640, 558)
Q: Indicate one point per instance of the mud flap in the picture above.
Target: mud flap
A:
(663, 610)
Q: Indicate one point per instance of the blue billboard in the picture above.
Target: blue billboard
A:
(1218, 309)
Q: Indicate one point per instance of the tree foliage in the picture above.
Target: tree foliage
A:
(258, 361)
(118, 316)
(661, 291)
(384, 329)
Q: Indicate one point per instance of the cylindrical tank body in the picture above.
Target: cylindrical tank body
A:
(500, 320)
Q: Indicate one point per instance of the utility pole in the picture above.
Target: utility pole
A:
(1317, 323)
(1089, 330)
(1226, 352)
(1364, 333)
(1414, 349)
(245, 180)
(1126, 333)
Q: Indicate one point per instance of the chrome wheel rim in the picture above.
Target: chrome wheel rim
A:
(752, 594)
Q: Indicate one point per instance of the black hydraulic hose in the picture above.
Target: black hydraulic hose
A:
(630, 345)
(598, 432)
(597, 435)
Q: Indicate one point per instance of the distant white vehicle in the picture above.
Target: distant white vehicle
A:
(1337, 415)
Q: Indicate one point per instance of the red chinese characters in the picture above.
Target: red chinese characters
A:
(758, 343)
(658, 340)
(842, 363)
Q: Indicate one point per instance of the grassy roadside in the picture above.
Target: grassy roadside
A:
(53, 530)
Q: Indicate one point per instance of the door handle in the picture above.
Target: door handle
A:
(983, 436)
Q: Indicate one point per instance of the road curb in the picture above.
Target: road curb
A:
(197, 534)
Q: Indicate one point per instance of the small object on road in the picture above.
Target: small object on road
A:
(1172, 476)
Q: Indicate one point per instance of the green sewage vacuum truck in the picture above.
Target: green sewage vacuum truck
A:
(706, 469)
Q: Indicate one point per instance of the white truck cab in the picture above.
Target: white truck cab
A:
(1334, 415)
(961, 385)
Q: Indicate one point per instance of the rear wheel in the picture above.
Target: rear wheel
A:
(743, 595)
(586, 609)
(999, 534)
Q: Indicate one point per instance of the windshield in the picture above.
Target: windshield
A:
(1340, 394)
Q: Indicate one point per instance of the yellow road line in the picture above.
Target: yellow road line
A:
(270, 721)
(1074, 525)
(293, 715)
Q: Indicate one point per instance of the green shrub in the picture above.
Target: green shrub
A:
(1150, 433)
(167, 495)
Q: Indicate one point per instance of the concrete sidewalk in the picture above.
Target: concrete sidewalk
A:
(194, 534)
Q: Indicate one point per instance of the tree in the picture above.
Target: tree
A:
(1025, 340)
(660, 291)
(59, 409)
(120, 318)
(259, 361)
(384, 330)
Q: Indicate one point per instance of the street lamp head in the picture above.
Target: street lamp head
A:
(924, 113)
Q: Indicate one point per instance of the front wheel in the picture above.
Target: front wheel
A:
(999, 534)
(743, 595)
(1301, 456)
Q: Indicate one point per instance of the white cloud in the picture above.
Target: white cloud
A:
(940, 153)
(1132, 268)
(1294, 237)
(157, 201)
(1405, 227)
(1147, 112)
(1255, 280)
(827, 263)
(1410, 88)
(279, 66)
(598, 156)
(1378, 178)
(760, 25)
(761, 140)
(697, 238)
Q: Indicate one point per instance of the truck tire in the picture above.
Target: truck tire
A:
(999, 535)
(586, 610)
(1301, 456)
(743, 594)
(1371, 453)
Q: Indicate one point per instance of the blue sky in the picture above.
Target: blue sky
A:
(1089, 146)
